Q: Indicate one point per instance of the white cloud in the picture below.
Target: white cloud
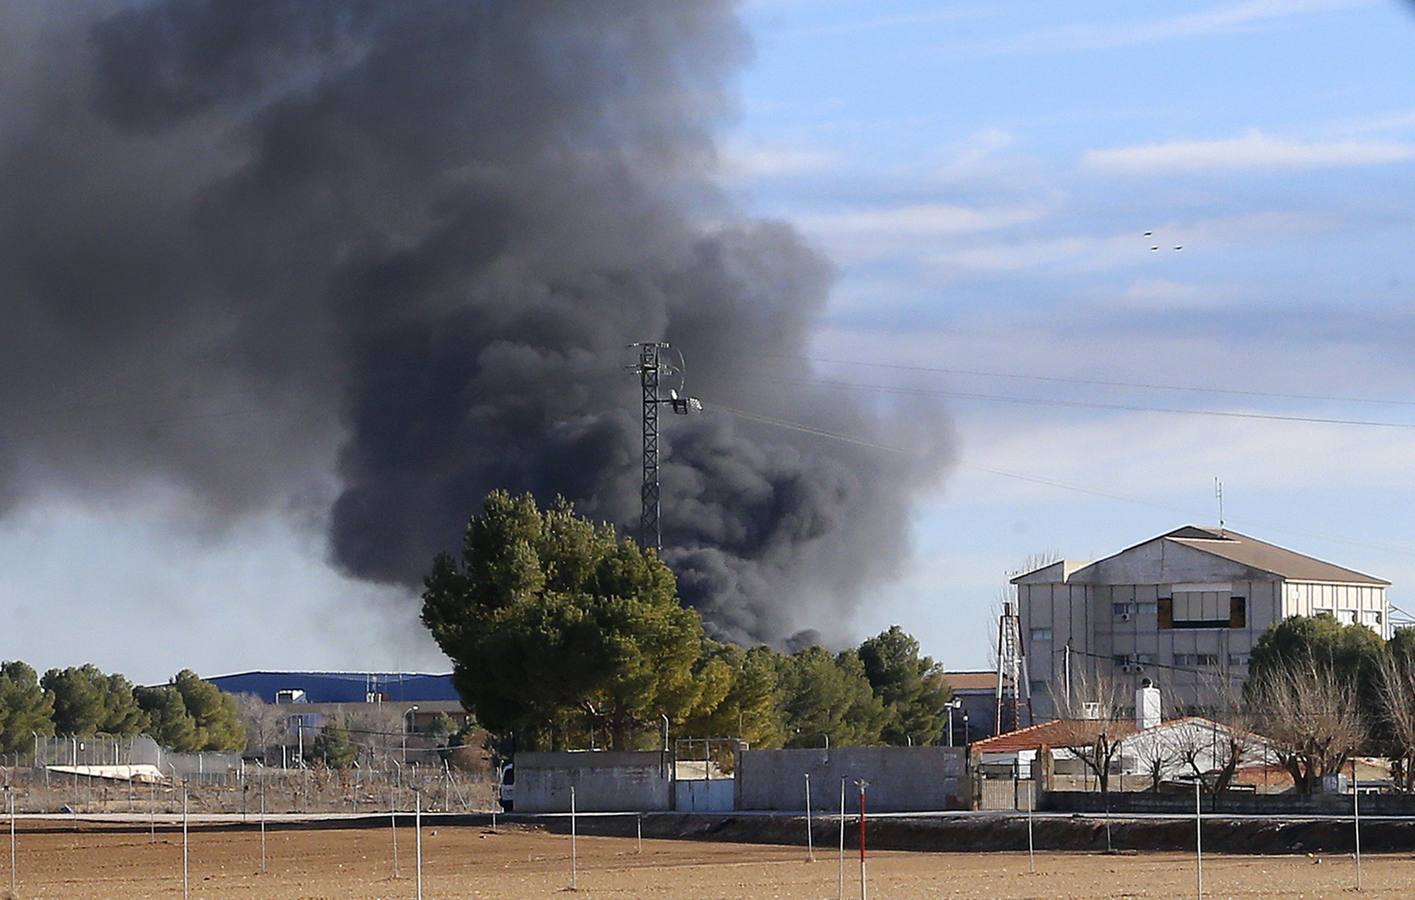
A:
(1393, 120)
(907, 230)
(1253, 150)
(1153, 457)
(1216, 20)
(760, 161)
(977, 155)
(1167, 294)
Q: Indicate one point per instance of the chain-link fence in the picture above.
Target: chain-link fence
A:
(105, 774)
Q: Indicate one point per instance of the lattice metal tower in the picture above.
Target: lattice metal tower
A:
(1014, 691)
(650, 370)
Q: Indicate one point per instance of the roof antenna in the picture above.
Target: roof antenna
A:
(1218, 493)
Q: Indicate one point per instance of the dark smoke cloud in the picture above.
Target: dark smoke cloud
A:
(366, 261)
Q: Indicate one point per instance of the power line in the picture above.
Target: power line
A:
(1049, 482)
(1207, 673)
(1058, 379)
(1082, 404)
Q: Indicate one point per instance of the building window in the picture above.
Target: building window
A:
(1120, 659)
(1237, 612)
(1239, 659)
(1040, 634)
(1147, 608)
(1202, 609)
(1122, 609)
(1195, 660)
(1143, 659)
(1323, 611)
(1038, 685)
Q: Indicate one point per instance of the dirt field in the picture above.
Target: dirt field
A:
(474, 862)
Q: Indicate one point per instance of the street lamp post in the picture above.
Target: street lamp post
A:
(952, 705)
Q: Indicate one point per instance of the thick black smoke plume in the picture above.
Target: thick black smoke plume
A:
(367, 260)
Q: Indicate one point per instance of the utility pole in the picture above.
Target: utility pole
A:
(651, 368)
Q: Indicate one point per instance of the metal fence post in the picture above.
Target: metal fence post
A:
(840, 869)
(418, 835)
(11, 793)
(1356, 815)
(1031, 850)
(186, 888)
(393, 824)
(1198, 839)
(864, 882)
(810, 841)
(262, 824)
(574, 861)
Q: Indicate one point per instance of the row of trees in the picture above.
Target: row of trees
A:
(1317, 693)
(187, 714)
(566, 635)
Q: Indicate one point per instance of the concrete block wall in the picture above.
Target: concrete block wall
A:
(604, 781)
(901, 779)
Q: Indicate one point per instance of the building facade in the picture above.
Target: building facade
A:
(1183, 609)
(975, 713)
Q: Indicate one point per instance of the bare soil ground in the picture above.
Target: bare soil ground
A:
(472, 861)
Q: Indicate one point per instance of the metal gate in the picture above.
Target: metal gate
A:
(1008, 793)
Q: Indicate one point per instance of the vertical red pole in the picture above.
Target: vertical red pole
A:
(864, 883)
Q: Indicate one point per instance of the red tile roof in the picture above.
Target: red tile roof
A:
(971, 681)
(1044, 734)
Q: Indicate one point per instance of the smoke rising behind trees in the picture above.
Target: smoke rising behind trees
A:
(364, 263)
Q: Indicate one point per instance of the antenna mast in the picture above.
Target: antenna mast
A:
(1218, 493)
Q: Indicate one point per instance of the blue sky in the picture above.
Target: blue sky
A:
(982, 175)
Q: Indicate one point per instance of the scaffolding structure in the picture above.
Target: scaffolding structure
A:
(1013, 695)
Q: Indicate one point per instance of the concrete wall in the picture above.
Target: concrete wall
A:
(901, 779)
(604, 781)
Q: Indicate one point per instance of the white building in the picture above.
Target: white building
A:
(1183, 609)
(1149, 747)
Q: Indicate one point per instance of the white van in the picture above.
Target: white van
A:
(506, 787)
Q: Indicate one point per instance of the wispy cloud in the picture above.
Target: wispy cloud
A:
(1253, 150)
(1168, 294)
(1215, 20)
(760, 161)
(909, 229)
(1395, 120)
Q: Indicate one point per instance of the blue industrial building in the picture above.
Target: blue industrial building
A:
(340, 687)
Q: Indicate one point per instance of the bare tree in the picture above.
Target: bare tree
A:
(1155, 755)
(1395, 684)
(1093, 720)
(376, 728)
(1309, 713)
(1216, 748)
(265, 724)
